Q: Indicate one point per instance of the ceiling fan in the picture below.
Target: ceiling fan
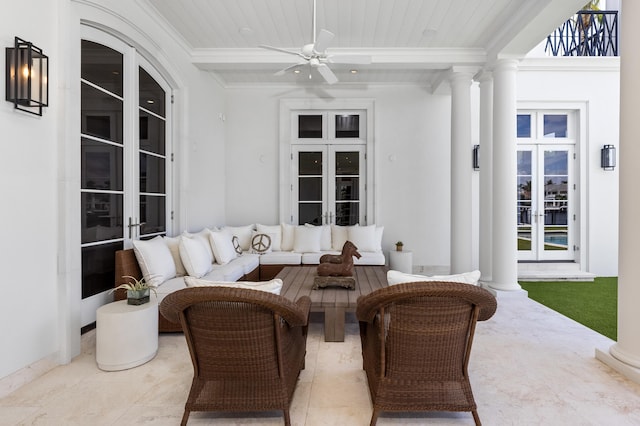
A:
(315, 54)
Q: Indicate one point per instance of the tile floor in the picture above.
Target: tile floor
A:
(529, 366)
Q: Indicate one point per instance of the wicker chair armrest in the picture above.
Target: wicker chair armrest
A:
(304, 304)
(368, 305)
(292, 312)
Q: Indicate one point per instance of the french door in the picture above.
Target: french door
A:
(124, 165)
(329, 184)
(545, 202)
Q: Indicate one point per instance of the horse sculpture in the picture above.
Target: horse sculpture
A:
(337, 258)
(339, 265)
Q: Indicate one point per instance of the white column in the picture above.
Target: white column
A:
(461, 169)
(627, 350)
(504, 268)
(486, 175)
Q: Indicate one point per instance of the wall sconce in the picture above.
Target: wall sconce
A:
(476, 157)
(608, 157)
(27, 77)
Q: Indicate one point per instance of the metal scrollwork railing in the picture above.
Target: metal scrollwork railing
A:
(588, 33)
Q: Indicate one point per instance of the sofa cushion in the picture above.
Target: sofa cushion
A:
(249, 262)
(275, 232)
(169, 286)
(155, 260)
(231, 271)
(397, 277)
(222, 245)
(274, 286)
(288, 236)
(195, 255)
(281, 258)
(314, 258)
(174, 247)
(243, 233)
(364, 237)
(339, 236)
(307, 239)
(325, 236)
(370, 258)
(204, 236)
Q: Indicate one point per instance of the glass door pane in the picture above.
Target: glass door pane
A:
(347, 187)
(102, 165)
(544, 203)
(152, 158)
(556, 200)
(311, 187)
(525, 199)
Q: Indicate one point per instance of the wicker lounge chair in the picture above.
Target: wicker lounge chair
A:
(416, 340)
(247, 347)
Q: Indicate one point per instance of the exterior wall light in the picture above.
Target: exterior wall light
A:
(476, 157)
(608, 157)
(27, 77)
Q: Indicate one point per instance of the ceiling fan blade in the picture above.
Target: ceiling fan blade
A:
(327, 74)
(349, 59)
(323, 41)
(278, 49)
(290, 67)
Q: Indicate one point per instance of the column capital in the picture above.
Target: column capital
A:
(505, 65)
(484, 76)
(461, 74)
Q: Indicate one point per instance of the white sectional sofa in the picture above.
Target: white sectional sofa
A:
(240, 253)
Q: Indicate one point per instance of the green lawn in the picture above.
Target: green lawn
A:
(593, 304)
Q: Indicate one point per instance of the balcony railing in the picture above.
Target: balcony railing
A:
(588, 33)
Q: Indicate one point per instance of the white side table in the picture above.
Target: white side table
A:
(126, 335)
(401, 261)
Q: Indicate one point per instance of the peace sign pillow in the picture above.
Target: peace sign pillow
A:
(261, 242)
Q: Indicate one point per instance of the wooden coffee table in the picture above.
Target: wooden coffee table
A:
(334, 302)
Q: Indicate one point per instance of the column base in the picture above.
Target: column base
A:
(502, 293)
(627, 370)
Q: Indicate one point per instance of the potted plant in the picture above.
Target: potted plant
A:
(137, 290)
(399, 246)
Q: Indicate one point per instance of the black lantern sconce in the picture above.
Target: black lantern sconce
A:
(476, 157)
(27, 77)
(608, 157)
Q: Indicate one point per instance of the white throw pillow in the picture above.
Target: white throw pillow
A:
(364, 237)
(397, 277)
(325, 237)
(275, 232)
(261, 242)
(243, 233)
(155, 260)
(195, 255)
(307, 239)
(174, 247)
(288, 236)
(204, 236)
(274, 286)
(339, 236)
(222, 245)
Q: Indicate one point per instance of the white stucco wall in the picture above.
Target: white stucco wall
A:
(28, 217)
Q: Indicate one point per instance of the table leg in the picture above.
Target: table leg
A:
(334, 324)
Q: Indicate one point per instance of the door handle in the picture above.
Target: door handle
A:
(131, 225)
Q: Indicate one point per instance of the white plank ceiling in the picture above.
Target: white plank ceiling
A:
(410, 41)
